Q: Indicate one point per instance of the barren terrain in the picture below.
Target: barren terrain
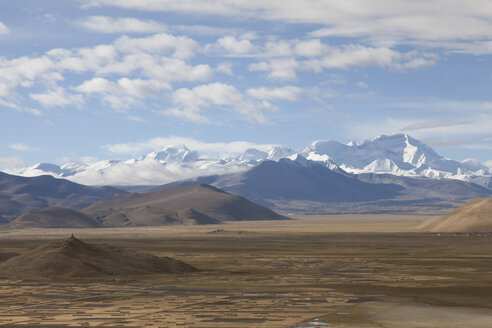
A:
(344, 271)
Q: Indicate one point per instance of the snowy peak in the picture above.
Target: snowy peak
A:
(174, 154)
(253, 154)
(397, 154)
(277, 152)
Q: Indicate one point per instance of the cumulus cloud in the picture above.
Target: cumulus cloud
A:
(235, 46)
(134, 87)
(285, 93)
(122, 93)
(105, 24)
(219, 95)
(57, 98)
(281, 69)
(4, 29)
(11, 162)
(156, 61)
(178, 46)
(225, 68)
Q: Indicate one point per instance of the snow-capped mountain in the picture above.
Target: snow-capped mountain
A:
(397, 154)
(169, 164)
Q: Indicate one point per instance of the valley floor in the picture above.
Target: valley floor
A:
(347, 271)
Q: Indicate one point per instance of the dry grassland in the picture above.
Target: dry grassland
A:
(347, 271)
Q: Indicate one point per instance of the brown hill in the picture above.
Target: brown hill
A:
(74, 258)
(474, 216)
(195, 204)
(19, 195)
(54, 217)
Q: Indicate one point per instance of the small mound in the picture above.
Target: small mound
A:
(474, 216)
(74, 258)
(53, 217)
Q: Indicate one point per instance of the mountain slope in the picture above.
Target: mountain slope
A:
(198, 204)
(474, 216)
(53, 217)
(19, 195)
(307, 186)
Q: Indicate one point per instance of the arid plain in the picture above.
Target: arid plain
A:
(344, 271)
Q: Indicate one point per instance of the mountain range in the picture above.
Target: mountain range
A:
(19, 195)
(398, 154)
(302, 185)
(187, 204)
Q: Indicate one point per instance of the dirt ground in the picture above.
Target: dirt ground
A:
(312, 271)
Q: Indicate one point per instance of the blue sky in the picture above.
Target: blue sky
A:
(112, 79)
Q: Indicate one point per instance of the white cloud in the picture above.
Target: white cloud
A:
(285, 93)
(310, 48)
(219, 96)
(280, 69)
(234, 46)
(379, 21)
(225, 68)
(4, 29)
(20, 146)
(133, 87)
(11, 162)
(208, 149)
(179, 46)
(105, 24)
(122, 93)
(57, 97)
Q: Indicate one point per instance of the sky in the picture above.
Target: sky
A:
(114, 79)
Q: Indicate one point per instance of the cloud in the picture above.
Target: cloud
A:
(316, 57)
(178, 46)
(57, 98)
(4, 29)
(122, 93)
(11, 162)
(280, 69)
(446, 143)
(434, 125)
(207, 149)
(225, 68)
(105, 24)
(133, 87)
(362, 85)
(20, 146)
(218, 95)
(285, 93)
(378, 21)
(234, 46)
(137, 119)
(310, 48)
